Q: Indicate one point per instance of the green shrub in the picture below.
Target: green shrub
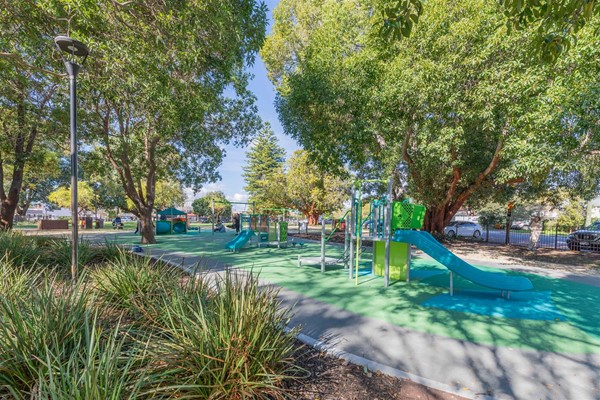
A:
(34, 326)
(102, 367)
(52, 347)
(15, 280)
(19, 249)
(229, 344)
(58, 253)
(136, 284)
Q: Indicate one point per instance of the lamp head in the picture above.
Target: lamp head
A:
(73, 53)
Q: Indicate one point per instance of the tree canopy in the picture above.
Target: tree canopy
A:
(164, 89)
(264, 158)
(556, 23)
(305, 187)
(203, 205)
(458, 109)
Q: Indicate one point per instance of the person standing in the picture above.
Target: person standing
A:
(138, 226)
(535, 226)
(236, 223)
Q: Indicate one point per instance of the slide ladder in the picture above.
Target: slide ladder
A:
(424, 241)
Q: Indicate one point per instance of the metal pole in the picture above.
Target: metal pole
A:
(352, 231)
(388, 233)
(74, 206)
(323, 243)
(213, 216)
(358, 233)
(346, 244)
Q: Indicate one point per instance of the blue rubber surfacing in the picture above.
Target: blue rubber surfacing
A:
(521, 305)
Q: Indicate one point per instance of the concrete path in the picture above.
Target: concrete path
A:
(464, 368)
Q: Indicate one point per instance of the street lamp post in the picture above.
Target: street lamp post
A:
(72, 51)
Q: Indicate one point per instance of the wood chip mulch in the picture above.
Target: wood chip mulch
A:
(330, 378)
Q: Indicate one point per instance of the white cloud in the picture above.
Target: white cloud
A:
(241, 198)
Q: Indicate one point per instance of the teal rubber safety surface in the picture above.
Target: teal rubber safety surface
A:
(521, 305)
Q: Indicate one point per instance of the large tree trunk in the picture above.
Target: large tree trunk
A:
(147, 227)
(8, 207)
(436, 219)
(313, 218)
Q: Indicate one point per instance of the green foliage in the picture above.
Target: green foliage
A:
(460, 108)
(571, 215)
(203, 205)
(85, 197)
(136, 328)
(51, 346)
(136, 285)
(557, 22)
(305, 187)
(264, 159)
(492, 214)
(230, 345)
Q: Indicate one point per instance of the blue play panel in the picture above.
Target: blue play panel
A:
(521, 305)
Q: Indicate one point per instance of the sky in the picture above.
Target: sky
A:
(232, 182)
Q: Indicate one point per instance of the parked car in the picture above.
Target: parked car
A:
(463, 228)
(520, 225)
(585, 239)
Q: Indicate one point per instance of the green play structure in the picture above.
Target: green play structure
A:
(171, 221)
(392, 228)
(271, 227)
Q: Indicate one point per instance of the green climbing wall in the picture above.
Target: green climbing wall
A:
(407, 215)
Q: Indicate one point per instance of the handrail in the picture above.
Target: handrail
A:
(337, 226)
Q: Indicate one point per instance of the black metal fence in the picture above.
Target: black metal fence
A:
(554, 238)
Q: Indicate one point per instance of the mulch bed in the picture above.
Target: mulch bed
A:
(331, 378)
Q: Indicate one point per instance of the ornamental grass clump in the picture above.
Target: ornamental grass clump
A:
(226, 342)
(19, 249)
(103, 366)
(136, 285)
(52, 346)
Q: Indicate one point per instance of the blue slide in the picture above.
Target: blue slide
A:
(240, 240)
(427, 243)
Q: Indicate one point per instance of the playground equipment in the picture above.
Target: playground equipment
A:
(170, 221)
(226, 202)
(240, 240)
(272, 230)
(395, 226)
(323, 260)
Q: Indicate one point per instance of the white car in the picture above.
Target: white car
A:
(463, 228)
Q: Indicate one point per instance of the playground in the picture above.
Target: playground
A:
(553, 324)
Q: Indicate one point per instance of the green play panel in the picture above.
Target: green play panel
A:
(561, 315)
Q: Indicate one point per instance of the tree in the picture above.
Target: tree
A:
(43, 174)
(459, 108)
(264, 159)
(557, 22)
(85, 196)
(306, 188)
(165, 87)
(571, 215)
(30, 111)
(203, 205)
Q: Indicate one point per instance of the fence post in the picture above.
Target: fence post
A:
(556, 237)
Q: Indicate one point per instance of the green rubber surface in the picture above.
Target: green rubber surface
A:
(576, 328)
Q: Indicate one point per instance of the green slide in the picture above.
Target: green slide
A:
(427, 243)
(240, 240)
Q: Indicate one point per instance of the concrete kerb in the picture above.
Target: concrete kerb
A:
(320, 345)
